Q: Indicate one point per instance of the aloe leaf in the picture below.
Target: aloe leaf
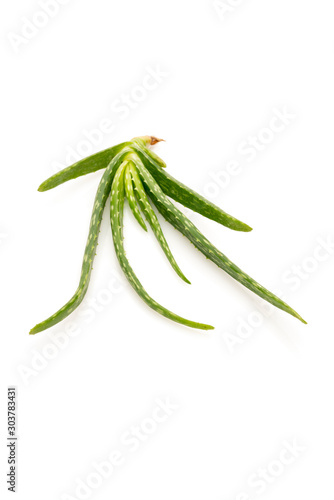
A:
(153, 220)
(116, 219)
(188, 229)
(186, 196)
(85, 166)
(131, 197)
(94, 229)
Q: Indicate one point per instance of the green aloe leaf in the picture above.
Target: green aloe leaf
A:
(94, 229)
(83, 167)
(131, 197)
(152, 219)
(186, 196)
(116, 219)
(188, 229)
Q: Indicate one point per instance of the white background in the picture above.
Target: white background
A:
(222, 79)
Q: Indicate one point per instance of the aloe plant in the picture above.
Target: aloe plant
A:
(133, 172)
